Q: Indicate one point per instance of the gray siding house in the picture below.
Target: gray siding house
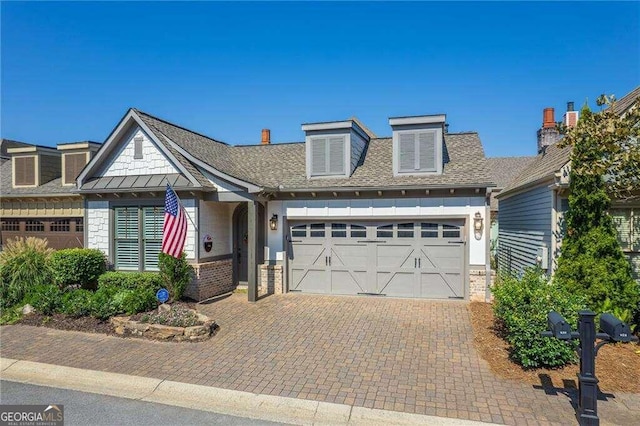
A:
(533, 204)
(344, 212)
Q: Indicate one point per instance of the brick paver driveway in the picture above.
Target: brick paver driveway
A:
(406, 355)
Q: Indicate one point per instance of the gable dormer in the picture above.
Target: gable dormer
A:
(75, 156)
(417, 144)
(333, 149)
(33, 166)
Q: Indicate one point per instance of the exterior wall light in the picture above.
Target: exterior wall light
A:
(478, 225)
(273, 222)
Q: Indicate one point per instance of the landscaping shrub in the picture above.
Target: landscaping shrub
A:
(77, 266)
(131, 280)
(23, 265)
(521, 307)
(102, 303)
(77, 303)
(176, 274)
(46, 299)
(110, 300)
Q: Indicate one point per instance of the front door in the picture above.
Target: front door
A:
(240, 244)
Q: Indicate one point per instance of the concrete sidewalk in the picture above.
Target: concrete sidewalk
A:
(205, 398)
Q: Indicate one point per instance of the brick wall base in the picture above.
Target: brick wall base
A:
(211, 279)
(270, 280)
(478, 284)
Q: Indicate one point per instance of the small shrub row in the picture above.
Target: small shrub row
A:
(521, 307)
(118, 293)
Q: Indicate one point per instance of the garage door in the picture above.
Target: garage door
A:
(404, 259)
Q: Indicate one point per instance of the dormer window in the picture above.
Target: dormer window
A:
(75, 156)
(327, 156)
(24, 171)
(417, 144)
(334, 148)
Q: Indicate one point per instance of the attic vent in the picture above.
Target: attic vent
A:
(417, 151)
(24, 171)
(137, 153)
(327, 156)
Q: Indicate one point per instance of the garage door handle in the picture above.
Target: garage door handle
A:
(326, 261)
(415, 262)
(329, 260)
(419, 263)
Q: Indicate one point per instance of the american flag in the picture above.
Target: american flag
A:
(174, 231)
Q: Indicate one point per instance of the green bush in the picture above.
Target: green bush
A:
(77, 266)
(77, 303)
(521, 307)
(46, 299)
(131, 280)
(23, 265)
(176, 274)
(110, 300)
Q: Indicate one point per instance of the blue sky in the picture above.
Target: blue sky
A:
(71, 70)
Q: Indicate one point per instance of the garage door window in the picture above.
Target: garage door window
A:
(339, 230)
(299, 231)
(317, 230)
(450, 231)
(358, 231)
(385, 231)
(429, 230)
(405, 230)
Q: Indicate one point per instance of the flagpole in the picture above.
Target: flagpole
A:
(181, 205)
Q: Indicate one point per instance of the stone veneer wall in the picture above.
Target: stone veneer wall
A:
(211, 279)
(478, 284)
(270, 280)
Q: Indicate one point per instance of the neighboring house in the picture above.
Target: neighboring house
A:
(343, 212)
(503, 170)
(37, 192)
(533, 204)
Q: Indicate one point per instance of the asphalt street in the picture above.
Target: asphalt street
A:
(89, 409)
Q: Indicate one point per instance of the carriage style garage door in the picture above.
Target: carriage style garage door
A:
(404, 259)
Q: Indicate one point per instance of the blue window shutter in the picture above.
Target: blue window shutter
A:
(153, 219)
(336, 155)
(407, 152)
(427, 149)
(318, 156)
(127, 247)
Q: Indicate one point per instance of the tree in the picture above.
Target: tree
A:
(605, 162)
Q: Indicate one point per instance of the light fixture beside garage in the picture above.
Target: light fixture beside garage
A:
(477, 225)
(273, 222)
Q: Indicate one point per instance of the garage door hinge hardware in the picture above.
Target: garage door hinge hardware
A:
(371, 241)
(455, 242)
(456, 297)
(371, 294)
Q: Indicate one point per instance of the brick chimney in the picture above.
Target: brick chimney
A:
(266, 136)
(570, 117)
(548, 134)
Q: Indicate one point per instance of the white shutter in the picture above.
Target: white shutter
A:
(153, 219)
(318, 156)
(621, 220)
(427, 149)
(407, 152)
(336, 155)
(127, 248)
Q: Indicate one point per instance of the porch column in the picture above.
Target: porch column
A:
(252, 240)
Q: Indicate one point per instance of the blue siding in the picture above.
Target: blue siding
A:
(523, 227)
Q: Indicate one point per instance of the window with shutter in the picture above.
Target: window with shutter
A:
(417, 152)
(407, 146)
(127, 247)
(427, 148)
(327, 156)
(153, 218)
(318, 156)
(24, 171)
(73, 164)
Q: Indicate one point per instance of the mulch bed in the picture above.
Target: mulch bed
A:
(64, 322)
(617, 365)
(84, 324)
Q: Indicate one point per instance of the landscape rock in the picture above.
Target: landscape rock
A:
(196, 330)
(164, 332)
(27, 309)
(164, 307)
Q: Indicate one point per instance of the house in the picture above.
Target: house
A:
(37, 195)
(533, 204)
(344, 212)
(503, 171)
